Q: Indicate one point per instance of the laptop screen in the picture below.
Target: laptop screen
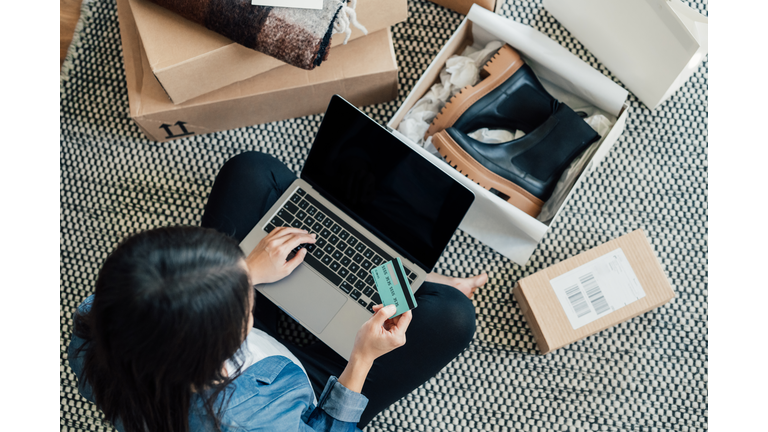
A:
(385, 185)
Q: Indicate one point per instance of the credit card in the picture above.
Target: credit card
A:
(393, 286)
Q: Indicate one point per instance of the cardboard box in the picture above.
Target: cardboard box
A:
(652, 46)
(463, 6)
(190, 60)
(364, 72)
(607, 279)
(493, 221)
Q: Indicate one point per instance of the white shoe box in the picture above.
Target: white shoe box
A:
(493, 221)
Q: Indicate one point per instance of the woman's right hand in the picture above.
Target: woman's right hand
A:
(381, 334)
(266, 262)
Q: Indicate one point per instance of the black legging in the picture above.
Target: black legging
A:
(443, 323)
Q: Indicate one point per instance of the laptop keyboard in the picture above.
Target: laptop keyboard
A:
(340, 253)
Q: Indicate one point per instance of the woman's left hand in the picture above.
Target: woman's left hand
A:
(267, 261)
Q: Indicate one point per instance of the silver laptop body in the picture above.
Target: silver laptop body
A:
(333, 309)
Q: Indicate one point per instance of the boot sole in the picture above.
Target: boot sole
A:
(499, 68)
(472, 169)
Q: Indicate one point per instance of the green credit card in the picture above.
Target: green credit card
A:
(393, 286)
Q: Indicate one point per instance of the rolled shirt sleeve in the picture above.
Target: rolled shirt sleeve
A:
(342, 403)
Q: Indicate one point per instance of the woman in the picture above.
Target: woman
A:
(176, 339)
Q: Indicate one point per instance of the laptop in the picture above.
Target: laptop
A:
(370, 198)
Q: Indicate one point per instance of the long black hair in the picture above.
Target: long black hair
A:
(170, 307)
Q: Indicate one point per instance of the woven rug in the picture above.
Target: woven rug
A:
(647, 374)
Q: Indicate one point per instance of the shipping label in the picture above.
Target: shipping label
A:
(597, 288)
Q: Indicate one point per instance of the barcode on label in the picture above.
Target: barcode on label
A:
(577, 300)
(594, 293)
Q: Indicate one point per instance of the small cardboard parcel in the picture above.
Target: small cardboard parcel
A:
(364, 72)
(592, 291)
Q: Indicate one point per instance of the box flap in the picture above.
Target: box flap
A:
(652, 46)
(353, 59)
(169, 39)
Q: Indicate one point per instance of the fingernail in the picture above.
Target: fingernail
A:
(390, 309)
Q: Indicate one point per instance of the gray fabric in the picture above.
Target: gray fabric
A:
(646, 374)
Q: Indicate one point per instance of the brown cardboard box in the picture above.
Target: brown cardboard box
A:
(190, 60)
(546, 314)
(462, 6)
(364, 72)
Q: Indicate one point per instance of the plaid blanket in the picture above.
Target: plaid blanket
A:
(300, 37)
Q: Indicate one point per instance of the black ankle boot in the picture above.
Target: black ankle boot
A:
(520, 103)
(510, 97)
(522, 171)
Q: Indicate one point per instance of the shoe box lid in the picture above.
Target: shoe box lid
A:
(491, 220)
(189, 60)
(652, 46)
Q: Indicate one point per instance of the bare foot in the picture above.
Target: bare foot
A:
(465, 285)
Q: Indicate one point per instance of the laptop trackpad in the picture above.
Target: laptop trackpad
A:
(307, 297)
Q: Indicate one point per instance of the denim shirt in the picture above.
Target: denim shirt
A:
(271, 395)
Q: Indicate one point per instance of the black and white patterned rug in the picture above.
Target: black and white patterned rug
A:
(648, 374)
